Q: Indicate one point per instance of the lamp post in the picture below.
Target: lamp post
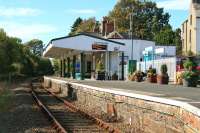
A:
(131, 31)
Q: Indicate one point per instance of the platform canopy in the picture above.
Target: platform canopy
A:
(65, 46)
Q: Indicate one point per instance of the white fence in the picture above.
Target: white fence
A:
(170, 62)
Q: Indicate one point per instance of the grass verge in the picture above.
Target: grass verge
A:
(6, 98)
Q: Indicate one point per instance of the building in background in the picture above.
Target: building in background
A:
(191, 30)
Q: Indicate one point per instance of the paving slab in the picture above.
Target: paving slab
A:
(189, 95)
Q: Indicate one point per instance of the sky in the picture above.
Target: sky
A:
(48, 19)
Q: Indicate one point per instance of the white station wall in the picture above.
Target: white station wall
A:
(84, 43)
(138, 47)
(198, 35)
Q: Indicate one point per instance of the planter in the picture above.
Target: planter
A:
(114, 77)
(100, 76)
(152, 79)
(92, 75)
(189, 83)
(138, 78)
(163, 79)
(131, 77)
(179, 81)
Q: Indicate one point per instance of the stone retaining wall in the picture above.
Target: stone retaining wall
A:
(129, 113)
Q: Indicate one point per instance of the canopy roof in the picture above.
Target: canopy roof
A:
(63, 46)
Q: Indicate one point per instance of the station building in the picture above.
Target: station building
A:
(191, 30)
(82, 53)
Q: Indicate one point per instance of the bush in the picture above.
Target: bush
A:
(188, 64)
(163, 69)
(44, 67)
(6, 99)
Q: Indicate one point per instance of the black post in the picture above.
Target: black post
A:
(60, 67)
(122, 78)
(74, 67)
(68, 67)
(82, 66)
(64, 68)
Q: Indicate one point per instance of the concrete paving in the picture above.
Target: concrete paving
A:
(189, 95)
(175, 92)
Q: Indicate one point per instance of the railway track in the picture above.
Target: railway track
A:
(65, 117)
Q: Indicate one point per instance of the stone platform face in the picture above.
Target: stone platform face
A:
(139, 107)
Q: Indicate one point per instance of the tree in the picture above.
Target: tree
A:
(36, 46)
(165, 36)
(88, 25)
(148, 19)
(178, 42)
(17, 59)
(74, 27)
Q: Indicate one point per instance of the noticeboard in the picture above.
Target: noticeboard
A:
(99, 47)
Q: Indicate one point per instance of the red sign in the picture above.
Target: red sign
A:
(99, 47)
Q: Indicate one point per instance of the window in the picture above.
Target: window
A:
(196, 1)
(190, 36)
(190, 19)
(183, 28)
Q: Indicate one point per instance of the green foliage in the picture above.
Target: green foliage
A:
(100, 67)
(163, 69)
(165, 36)
(148, 19)
(6, 99)
(44, 67)
(189, 53)
(36, 46)
(88, 25)
(178, 41)
(188, 64)
(75, 26)
(56, 66)
(19, 59)
(190, 75)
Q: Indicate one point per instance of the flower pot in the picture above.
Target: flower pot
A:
(179, 81)
(100, 76)
(189, 83)
(138, 78)
(131, 78)
(163, 79)
(152, 79)
(114, 77)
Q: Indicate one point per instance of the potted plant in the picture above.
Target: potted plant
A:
(163, 78)
(115, 76)
(100, 71)
(190, 75)
(138, 76)
(151, 75)
(131, 77)
(179, 78)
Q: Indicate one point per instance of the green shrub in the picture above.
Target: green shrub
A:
(6, 99)
(163, 69)
(188, 64)
(44, 67)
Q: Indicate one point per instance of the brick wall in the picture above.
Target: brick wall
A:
(129, 113)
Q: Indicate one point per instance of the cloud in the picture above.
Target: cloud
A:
(82, 11)
(27, 31)
(15, 12)
(174, 4)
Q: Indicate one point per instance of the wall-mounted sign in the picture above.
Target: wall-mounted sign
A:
(159, 51)
(116, 48)
(99, 47)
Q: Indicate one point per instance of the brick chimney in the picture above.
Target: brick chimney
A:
(107, 26)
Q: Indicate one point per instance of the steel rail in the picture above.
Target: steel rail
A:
(56, 125)
(98, 121)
